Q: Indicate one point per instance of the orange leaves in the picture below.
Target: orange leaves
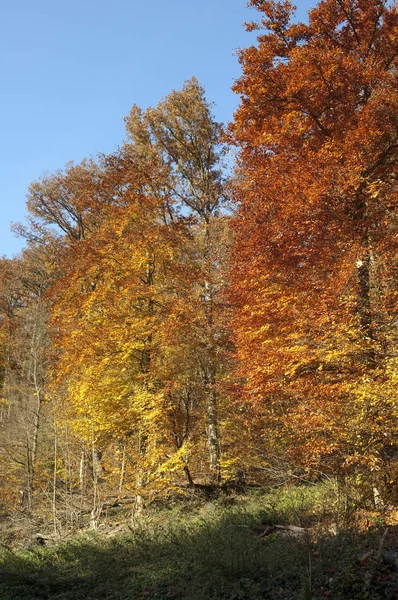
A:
(317, 153)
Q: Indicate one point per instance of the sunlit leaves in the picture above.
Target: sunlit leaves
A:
(314, 260)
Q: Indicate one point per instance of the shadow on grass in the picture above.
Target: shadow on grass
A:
(214, 558)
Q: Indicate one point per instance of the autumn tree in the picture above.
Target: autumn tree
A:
(109, 307)
(24, 337)
(119, 293)
(136, 301)
(181, 134)
(315, 256)
(64, 200)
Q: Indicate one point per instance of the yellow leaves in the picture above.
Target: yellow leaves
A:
(375, 188)
(175, 462)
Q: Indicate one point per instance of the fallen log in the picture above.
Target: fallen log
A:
(265, 530)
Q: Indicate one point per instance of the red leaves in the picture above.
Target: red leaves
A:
(315, 153)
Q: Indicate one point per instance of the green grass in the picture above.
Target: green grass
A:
(216, 555)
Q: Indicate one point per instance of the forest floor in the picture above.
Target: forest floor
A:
(227, 549)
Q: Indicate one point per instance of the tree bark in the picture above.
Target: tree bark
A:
(210, 375)
(364, 307)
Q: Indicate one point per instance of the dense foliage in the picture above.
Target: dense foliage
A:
(314, 263)
(171, 325)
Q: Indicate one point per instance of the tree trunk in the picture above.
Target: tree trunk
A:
(212, 427)
(35, 367)
(210, 372)
(54, 498)
(145, 368)
(122, 470)
(97, 472)
(364, 307)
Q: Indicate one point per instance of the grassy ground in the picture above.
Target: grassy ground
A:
(213, 551)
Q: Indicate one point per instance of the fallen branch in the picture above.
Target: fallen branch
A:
(283, 529)
(370, 575)
(381, 545)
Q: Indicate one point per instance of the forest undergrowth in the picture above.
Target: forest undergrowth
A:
(302, 542)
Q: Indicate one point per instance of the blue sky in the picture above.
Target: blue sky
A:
(71, 70)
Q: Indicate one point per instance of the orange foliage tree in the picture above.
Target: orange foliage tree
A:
(314, 267)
